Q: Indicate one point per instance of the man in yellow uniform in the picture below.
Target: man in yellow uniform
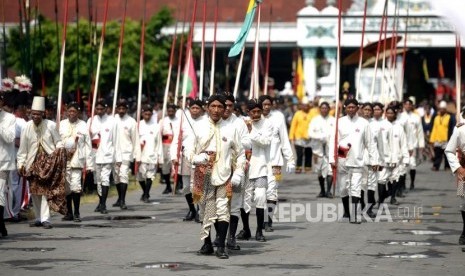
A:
(298, 135)
(443, 125)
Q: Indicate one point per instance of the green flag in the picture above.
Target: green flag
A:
(236, 48)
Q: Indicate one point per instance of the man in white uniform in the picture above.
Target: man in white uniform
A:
(151, 152)
(76, 139)
(7, 158)
(280, 150)
(353, 138)
(169, 126)
(320, 132)
(127, 149)
(103, 135)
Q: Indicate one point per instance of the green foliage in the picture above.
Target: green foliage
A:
(45, 52)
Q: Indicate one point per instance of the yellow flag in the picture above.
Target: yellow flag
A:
(300, 81)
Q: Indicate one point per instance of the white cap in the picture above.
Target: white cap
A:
(38, 103)
(305, 100)
(443, 104)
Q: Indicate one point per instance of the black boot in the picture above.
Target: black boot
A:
(355, 202)
(268, 226)
(401, 186)
(3, 231)
(371, 203)
(329, 185)
(207, 247)
(124, 190)
(167, 179)
(99, 206)
(197, 216)
(362, 200)
(192, 211)
(234, 221)
(222, 232)
(69, 206)
(179, 184)
(395, 185)
(413, 173)
(148, 186)
(216, 242)
(118, 202)
(103, 200)
(381, 193)
(260, 212)
(143, 186)
(77, 203)
(462, 237)
(346, 205)
(321, 180)
(244, 234)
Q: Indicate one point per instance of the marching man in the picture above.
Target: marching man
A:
(353, 138)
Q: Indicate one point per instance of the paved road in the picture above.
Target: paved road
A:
(152, 239)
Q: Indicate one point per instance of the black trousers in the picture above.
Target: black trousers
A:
(438, 156)
(303, 155)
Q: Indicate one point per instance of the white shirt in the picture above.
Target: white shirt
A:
(188, 128)
(356, 133)
(169, 127)
(45, 135)
(127, 147)
(241, 127)
(398, 148)
(413, 129)
(320, 131)
(69, 132)
(260, 135)
(7, 141)
(228, 148)
(280, 148)
(103, 129)
(150, 142)
(456, 142)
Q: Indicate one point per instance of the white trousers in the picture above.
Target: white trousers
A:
(321, 166)
(16, 184)
(102, 176)
(384, 175)
(146, 171)
(166, 166)
(349, 179)
(41, 209)
(121, 173)
(73, 180)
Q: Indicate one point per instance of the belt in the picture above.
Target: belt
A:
(95, 143)
(167, 139)
(343, 151)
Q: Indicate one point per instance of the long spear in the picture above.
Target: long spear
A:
(188, 55)
(458, 75)
(202, 52)
(99, 61)
(170, 66)
(338, 83)
(57, 32)
(42, 73)
(62, 66)
(378, 50)
(181, 48)
(118, 63)
(360, 58)
(404, 54)
(141, 66)
(78, 63)
(212, 71)
(268, 54)
(4, 37)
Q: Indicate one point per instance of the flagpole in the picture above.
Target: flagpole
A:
(118, 62)
(361, 50)
(42, 75)
(202, 54)
(212, 71)
(62, 66)
(4, 40)
(78, 63)
(252, 74)
(383, 66)
(238, 74)
(99, 61)
(404, 54)
(268, 54)
(257, 49)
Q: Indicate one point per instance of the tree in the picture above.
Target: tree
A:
(44, 59)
